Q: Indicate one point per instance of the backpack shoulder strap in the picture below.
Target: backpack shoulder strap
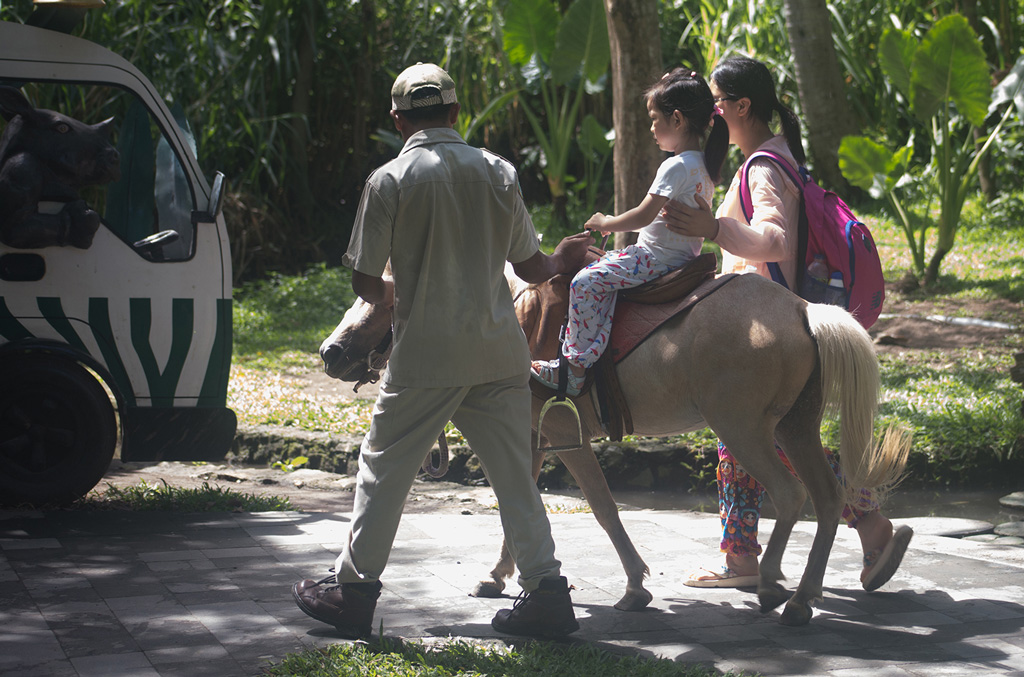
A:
(745, 200)
(799, 178)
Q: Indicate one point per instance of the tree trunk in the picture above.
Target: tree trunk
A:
(300, 195)
(635, 64)
(826, 111)
(931, 274)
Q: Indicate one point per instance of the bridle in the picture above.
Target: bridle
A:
(376, 360)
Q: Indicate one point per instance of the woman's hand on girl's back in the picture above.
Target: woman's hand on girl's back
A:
(691, 221)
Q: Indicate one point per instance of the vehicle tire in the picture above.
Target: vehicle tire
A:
(58, 430)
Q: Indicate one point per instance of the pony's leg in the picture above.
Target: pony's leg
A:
(799, 437)
(583, 466)
(755, 450)
(506, 566)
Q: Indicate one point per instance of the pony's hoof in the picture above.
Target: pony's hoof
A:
(796, 614)
(772, 596)
(634, 600)
(488, 589)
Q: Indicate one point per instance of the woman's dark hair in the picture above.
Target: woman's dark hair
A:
(741, 77)
(684, 90)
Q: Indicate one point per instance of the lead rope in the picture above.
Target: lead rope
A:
(439, 470)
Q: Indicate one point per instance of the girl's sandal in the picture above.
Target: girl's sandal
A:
(546, 372)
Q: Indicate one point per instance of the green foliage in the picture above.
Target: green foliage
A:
(286, 96)
(290, 464)
(457, 658)
(595, 144)
(145, 496)
(946, 80)
(561, 60)
(715, 29)
(965, 417)
(283, 313)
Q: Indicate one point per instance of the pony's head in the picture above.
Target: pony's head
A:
(359, 346)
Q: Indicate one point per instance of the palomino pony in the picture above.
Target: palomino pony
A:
(756, 364)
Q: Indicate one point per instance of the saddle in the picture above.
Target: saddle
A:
(542, 311)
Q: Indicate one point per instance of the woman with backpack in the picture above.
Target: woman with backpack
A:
(744, 91)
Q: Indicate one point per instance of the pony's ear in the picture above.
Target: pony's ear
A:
(14, 103)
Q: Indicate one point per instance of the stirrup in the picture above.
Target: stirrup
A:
(560, 400)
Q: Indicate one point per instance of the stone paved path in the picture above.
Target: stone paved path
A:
(128, 593)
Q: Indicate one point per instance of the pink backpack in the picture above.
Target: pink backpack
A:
(830, 234)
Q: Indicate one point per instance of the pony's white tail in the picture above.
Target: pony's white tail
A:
(851, 386)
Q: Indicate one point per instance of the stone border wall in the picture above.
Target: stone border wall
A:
(641, 464)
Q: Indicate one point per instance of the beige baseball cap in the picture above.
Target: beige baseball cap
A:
(422, 78)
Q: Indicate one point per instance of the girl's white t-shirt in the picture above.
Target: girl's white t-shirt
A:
(678, 178)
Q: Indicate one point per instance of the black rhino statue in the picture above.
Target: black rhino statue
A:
(46, 157)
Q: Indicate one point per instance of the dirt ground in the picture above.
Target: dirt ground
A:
(905, 330)
(928, 326)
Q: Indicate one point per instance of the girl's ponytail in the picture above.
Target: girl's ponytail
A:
(716, 147)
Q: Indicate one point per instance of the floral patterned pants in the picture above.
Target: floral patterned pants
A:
(740, 497)
(592, 299)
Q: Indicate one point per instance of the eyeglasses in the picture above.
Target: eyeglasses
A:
(724, 98)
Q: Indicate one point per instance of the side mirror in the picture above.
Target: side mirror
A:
(216, 198)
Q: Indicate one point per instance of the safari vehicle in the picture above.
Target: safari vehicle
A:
(118, 338)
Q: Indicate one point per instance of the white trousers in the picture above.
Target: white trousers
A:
(495, 420)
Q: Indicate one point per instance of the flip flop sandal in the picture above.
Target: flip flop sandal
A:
(546, 372)
(724, 578)
(884, 562)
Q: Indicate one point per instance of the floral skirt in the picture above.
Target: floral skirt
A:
(740, 497)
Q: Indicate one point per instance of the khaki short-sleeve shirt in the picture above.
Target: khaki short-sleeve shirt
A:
(448, 216)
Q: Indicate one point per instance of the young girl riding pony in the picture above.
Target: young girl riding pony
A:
(681, 108)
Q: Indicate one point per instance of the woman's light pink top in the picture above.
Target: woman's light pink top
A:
(772, 233)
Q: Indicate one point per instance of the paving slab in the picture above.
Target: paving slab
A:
(1014, 500)
(140, 593)
(955, 527)
(1012, 529)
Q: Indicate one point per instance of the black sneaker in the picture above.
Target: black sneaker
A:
(348, 607)
(545, 612)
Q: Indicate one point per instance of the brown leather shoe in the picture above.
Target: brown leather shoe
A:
(348, 607)
(545, 612)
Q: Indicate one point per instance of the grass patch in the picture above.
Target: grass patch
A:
(280, 321)
(462, 659)
(964, 412)
(146, 496)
